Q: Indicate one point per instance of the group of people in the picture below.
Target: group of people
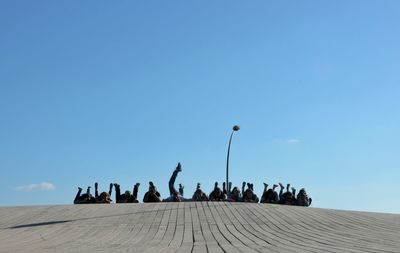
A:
(287, 195)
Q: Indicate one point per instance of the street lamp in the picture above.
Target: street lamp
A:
(234, 129)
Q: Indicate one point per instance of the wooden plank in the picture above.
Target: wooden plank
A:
(195, 227)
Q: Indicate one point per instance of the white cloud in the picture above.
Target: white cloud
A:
(293, 140)
(44, 186)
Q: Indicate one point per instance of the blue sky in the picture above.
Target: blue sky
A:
(121, 91)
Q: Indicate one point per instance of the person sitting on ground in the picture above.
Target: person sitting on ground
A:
(249, 195)
(234, 195)
(199, 195)
(152, 195)
(175, 196)
(127, 197)
(269, 195)
(303, 199)
(217, 194)
(86, 198)
(286, 198)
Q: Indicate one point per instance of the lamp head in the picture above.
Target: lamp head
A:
(236, 128)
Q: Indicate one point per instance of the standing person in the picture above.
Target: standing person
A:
(152, 195)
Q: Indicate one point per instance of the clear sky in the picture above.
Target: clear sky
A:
(120, 91)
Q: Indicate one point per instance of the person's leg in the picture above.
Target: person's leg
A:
(294, 192)
(275, 197)
(171, 183)
(88, 190)
(224, 188)
(96, 190)
(265, 188)
(230, 187)
(135, 191)
(110, 190)
(78, 194)
(117, 193)
(243, 186)
(281, 191)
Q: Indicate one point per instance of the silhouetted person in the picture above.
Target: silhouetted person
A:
(286, 198)
(217, 194)
(85, 198)
(152, 195)
(175, 196)
(249, 195)
(127, 197)
(199, 195)
(234, 195)
(269, 195)
(96, 193)
(104, 198)
(303, 199)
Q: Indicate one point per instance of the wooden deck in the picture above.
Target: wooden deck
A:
(195, 227)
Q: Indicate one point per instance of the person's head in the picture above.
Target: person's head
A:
(198, 195)
(198, 192)
(302, 191)
(84, 197)
(288, 197)
(104, 197)
(217, 192)
(269, 194)
(152, 188)
(248, 194)
(302, 196)
(235, 192)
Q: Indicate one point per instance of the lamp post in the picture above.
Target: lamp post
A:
(234, 129)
